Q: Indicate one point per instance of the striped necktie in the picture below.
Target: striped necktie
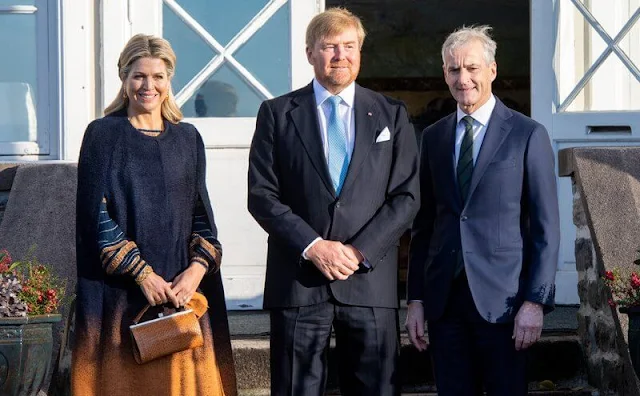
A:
(464, 172)
(464, 169)
(338, 160)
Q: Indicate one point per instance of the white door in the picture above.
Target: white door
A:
(231, 55)
(585, 90)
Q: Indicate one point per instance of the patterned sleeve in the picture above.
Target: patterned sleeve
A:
(119, 256)
(204, 247)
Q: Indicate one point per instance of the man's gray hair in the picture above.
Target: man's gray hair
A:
(465, 35)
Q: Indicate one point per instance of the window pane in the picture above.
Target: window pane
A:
(4, 3)
(192, 52)
(18, 78)
(605, 13)
(267, 55)
(225, 94)
(579, 46)
(223, 19)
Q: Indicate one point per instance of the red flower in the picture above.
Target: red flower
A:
(609, 275)
(635, 280)
(5, 260)
(612, 303)
(51, 294)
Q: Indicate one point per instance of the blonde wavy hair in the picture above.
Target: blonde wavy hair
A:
(331, 22)
(146, 46)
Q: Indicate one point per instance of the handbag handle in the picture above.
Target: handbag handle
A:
(136, 320)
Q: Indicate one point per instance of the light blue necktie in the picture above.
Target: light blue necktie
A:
(338, 160)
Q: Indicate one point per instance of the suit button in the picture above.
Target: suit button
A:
(464, 218)
(338, 205)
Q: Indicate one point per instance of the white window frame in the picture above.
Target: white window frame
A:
(129, 19)
(48, 86)
(301, 72)
(557, 66)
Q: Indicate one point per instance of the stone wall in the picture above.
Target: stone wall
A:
(605, 212)
(7, 174)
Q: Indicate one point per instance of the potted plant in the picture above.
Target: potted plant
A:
(624, 285)
(30, 296)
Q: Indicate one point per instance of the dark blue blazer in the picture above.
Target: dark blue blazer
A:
(291, 196)
(508, 229)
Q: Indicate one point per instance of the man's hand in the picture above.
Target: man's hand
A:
(356, 253)
(528, 325)
(415, 325)
(158, 291)
(333, 259)
(185, 284)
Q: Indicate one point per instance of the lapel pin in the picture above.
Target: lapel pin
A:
(369, 114)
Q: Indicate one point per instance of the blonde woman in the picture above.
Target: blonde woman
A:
(146, 235)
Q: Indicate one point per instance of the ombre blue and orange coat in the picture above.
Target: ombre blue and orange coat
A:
(143, 203)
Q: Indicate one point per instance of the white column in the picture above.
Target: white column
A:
(78, 88)
(302, 11)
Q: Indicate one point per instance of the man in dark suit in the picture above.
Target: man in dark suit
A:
(333, 179)
(484, 246)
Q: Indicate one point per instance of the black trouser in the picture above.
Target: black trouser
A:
(470, 353)
(366, 342)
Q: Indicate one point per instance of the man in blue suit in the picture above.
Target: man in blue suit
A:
(485, 242)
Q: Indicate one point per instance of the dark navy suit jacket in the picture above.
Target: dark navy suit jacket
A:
(291, 196)
(508, 229)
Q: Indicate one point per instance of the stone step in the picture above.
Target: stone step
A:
(579, 392)
(555, 358)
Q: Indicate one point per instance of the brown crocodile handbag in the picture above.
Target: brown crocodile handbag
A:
(168, 334)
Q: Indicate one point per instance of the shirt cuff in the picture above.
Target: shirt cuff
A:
(365, 262)
(412, 301)
(304, 252)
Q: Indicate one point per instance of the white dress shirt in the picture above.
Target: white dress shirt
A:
(480, 122)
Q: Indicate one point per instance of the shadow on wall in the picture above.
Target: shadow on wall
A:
(248, 303)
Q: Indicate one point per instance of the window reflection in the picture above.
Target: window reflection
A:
(216, 99)
(18, 81)
(224, 94)
(17, 113)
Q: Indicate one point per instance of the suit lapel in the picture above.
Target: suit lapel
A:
(498, 130)
(366, 121)
(447, 158)
(305, 119)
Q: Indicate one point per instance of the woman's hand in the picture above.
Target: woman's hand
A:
(185, 284)
(158, 291)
